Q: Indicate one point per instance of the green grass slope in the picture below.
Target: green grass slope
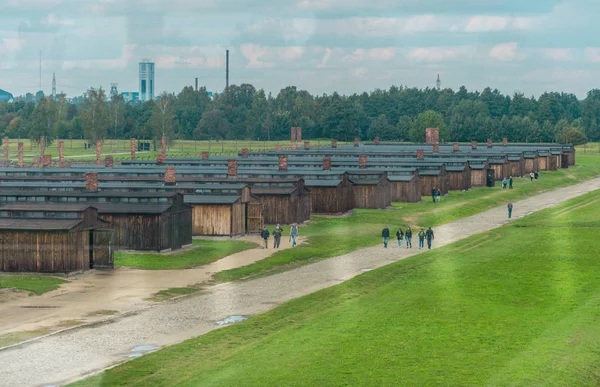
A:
(31, 283)
(517, 306)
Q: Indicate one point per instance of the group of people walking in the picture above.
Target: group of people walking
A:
(508, 182)
(277, 233)
(436, 195)
(533, 175)
(407, 237)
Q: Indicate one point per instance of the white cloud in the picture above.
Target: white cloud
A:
(10, 46)
(103, 64)
(592, 54)
(359, 72)
(497, 23)
(559, 54)
(292, 52)
(254, 54)
(420, 23)
(54, 20)
(506, 52)
(383, 53)
(435, 54)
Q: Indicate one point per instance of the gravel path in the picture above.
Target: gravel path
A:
(69, 356)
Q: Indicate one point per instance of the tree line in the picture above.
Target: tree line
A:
(243, 112)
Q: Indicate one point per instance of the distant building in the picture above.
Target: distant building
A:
(146, 80)
(5, 96)
(130, 96)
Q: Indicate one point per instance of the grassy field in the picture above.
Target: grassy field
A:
(520, 309)
(34, 284)
(120, 149)
(205, 251)
(333, 236)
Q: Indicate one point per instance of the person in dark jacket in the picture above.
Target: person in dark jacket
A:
(277, 236)
(510, 182)
(399, 236)
(264, 234)
(433, 194)
(510, 207)
(421, 239)
(408, 236)
(385, 235)
(536, 175)
(429, 236)
(439, 195)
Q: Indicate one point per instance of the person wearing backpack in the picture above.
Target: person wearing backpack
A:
(433, 194)
(293, 234)
(385, 235)
(408, 237)
(421, 239)
(399, 236)
(504, 183)
(429, 236)
(264, 234)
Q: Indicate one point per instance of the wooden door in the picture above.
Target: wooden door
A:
(102, 249)
(491, 178)
(254, 217)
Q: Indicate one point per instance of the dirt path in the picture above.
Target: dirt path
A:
(66, 357)
(94, 295)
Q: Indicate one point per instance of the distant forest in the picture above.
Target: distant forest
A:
(242, 112)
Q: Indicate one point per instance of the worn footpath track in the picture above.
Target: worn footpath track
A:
(61, 358)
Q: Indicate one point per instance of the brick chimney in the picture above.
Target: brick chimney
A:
(334, 143)
(489, 143)
(244, 152)
(5, 148)
(163, 146)
(278, 147)
(133, 148)
(170, 176)
(91, 181)
(298, 134)
(160, 158)
(61, 151)
(420, 154)
(20, 155)
(436, 147)
(376, 140)
(327, 163)
(42, 145)
(109, 161)
(356, 141)
(505, 141)
(293, 134)
(98, 152)
(473, 144)
(204, 155)
(432, 135)
(46, 161)
(455, 147)
(362, 161)
(283, 163)
(293, 146)
(306, 145)
(232, 166)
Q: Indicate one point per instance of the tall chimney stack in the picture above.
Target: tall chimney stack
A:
(376, 140)
(98, 152)
(160, 158)
(293, 146)
(455, 147)
(46, 161)
(293, 134)
(170, 176)
(327, 163)
(283, 163)
(91, 181)
(278, 147)
(205, 155)
(436, 148)
(307, 145)
(473, 144)
(5, 148)
(232, 165)
(298, 134)
(244, 152)
(20, 155)
(432, 135)
(334, 143)
(505, 141)
(133, 148)
(109, 161)
(489, 143)
(226, 70)
(196, 84)
(61, 151)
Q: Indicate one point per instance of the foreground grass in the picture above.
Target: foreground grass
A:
(34, 284)
(205, 251)
(330, 237)
(516, 306)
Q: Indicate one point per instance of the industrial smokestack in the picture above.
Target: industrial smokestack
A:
(226, 70)
(196, 84)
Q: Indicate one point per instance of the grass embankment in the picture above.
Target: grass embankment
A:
(518, 306)
(204, 252)
(330, 237)
(34, 284)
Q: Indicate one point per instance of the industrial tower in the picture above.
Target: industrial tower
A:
(438, 83)
(53, 84)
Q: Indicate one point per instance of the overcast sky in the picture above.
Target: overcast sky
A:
(318, 45)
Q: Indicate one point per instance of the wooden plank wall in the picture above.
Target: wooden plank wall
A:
(44, 251)
(331, 200)
(372, 196)
(543, 163)
(553, 164)
(211, 220)
(478, 177)
(406, 191)
(439, 182)
(515, 168)
(136, 232)
(238, 219)
(458, 181)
